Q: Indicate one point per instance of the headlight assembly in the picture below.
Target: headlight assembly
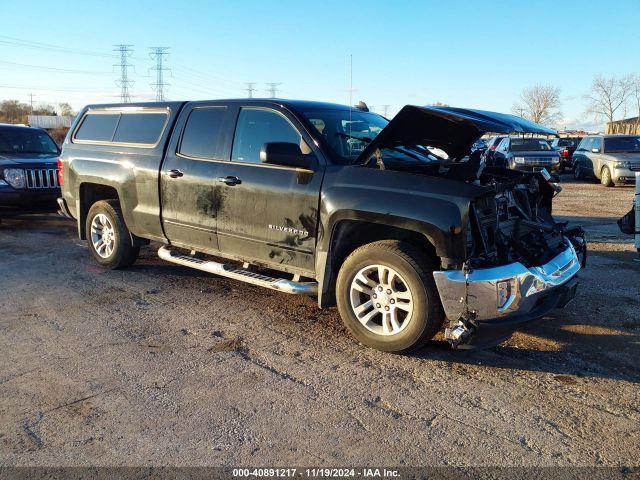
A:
(621, 165)
(518, 159)
(15, 177)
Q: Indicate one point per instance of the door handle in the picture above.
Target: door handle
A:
(230, 180)
(175, 173)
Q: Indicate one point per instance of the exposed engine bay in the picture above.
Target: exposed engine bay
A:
(512, 222)
(515, 223)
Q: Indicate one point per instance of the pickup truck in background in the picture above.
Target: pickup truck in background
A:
(332, 201)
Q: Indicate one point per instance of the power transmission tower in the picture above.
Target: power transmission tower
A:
(250, 89)
(158, 54)
(273, 89)
(124, 83)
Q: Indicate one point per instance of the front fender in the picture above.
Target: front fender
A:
(435, 208)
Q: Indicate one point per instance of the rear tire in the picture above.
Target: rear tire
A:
(387, 297)
(605, 177)
(578, 173)
(108, 236)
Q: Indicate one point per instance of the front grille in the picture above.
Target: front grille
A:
(42, 178)
(537, 162)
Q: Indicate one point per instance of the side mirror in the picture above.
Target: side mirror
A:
(595, 150)
(285, 154)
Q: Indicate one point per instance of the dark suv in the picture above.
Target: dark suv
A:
(526, 154)
(489, 152)
(566, 146)
(28, 171)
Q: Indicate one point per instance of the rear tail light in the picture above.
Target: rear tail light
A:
(565, 153)
(60, 172)
(493, 148)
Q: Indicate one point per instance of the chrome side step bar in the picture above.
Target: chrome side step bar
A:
(238, 273)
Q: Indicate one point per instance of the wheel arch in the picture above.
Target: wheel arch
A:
(349, 234)
(88, 194)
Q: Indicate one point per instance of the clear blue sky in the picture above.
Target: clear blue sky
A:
(464, 53)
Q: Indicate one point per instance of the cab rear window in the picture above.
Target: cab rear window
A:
(135, 128)
(98, 127)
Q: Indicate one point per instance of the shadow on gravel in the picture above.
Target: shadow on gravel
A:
(612, 355)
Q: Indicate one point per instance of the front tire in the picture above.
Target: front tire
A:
(108, 236)
(605, 177)
(387, 297)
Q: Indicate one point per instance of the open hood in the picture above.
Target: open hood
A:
(451, 129)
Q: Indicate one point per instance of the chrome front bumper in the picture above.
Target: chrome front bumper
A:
(505, 291)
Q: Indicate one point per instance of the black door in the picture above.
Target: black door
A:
(269, 214)
(189, 177)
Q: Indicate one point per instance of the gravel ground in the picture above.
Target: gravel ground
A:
(162, 365)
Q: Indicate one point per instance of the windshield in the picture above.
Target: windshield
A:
(568, 142)
(347, 132)
(622, 144)
(529, 145)
(25, 140)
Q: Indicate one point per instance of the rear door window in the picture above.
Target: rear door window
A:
(98, 127)
(202, 133)
(143, 128)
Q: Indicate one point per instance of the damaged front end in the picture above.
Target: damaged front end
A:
(521, 263)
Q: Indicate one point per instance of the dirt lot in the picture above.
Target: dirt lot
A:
(162, 365)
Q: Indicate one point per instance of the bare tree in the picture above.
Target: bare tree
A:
(66, 109)
(607, 96)
(540, 104)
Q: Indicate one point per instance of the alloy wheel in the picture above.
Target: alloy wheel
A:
(103, 235)
(381, 300)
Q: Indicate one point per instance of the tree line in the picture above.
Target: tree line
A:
(14, 111)
(609, 98)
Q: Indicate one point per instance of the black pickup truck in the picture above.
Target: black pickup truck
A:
(395, 222)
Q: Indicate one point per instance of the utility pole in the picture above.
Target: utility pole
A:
(31, 101)
(385, 110)
(250, 89)
(273, 89)
(158, 54)
(125, 52)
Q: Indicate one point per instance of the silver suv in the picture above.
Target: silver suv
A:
(613, 159)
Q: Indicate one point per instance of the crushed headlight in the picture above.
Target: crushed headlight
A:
(15, 177)
(518, 159)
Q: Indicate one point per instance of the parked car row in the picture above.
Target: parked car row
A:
(612, 159)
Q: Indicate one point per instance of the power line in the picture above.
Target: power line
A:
(53, 69)
(124, 82)
(273, 89)
(250, 89)
(17, 42)
(158, 53)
